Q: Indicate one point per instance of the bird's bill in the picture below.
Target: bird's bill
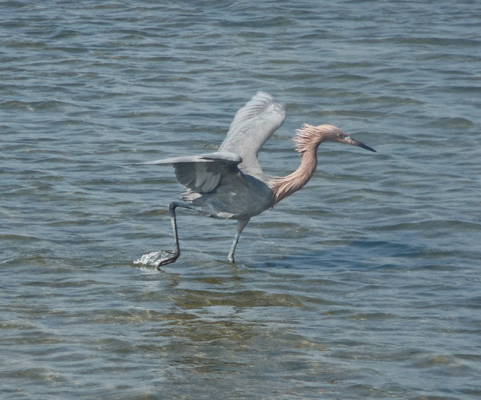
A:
(354, 142)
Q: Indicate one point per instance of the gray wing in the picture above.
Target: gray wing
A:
(202, 173)
(253, 124)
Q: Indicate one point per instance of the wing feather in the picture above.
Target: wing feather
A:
(202, 173)
(253, 124)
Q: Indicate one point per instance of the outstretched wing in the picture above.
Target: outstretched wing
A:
(202, 173)
(253, 124)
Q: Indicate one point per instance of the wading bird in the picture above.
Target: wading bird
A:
(230, 184)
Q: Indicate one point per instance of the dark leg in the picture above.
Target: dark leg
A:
(174, 255)
(241, 224)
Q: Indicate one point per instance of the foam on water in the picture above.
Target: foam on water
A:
(154, 258)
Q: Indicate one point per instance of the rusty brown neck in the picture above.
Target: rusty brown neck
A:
(308, 140)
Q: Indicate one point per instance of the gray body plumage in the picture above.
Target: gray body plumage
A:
(230, 183)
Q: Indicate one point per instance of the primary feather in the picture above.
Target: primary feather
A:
(253, 124)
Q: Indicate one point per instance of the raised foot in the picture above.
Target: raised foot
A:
(166, 259)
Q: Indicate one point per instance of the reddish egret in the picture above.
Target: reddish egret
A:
(230, 184)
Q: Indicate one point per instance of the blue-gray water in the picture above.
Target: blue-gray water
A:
(366, 284)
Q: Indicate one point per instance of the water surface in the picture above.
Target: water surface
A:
(364, 285)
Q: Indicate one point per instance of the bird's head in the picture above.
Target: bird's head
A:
(334, 134)
(312, 136)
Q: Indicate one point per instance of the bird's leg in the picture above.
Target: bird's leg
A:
(241, 224)
(176, 253)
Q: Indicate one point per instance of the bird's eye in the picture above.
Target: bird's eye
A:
(340, 136)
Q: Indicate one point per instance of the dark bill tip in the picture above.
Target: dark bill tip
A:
(366, 147)
(349, 140)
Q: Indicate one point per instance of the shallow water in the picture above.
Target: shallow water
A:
(365, 284)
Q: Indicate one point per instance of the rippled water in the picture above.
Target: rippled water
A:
(365, 284)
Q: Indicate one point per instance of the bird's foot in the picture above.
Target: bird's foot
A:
(168, 258)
